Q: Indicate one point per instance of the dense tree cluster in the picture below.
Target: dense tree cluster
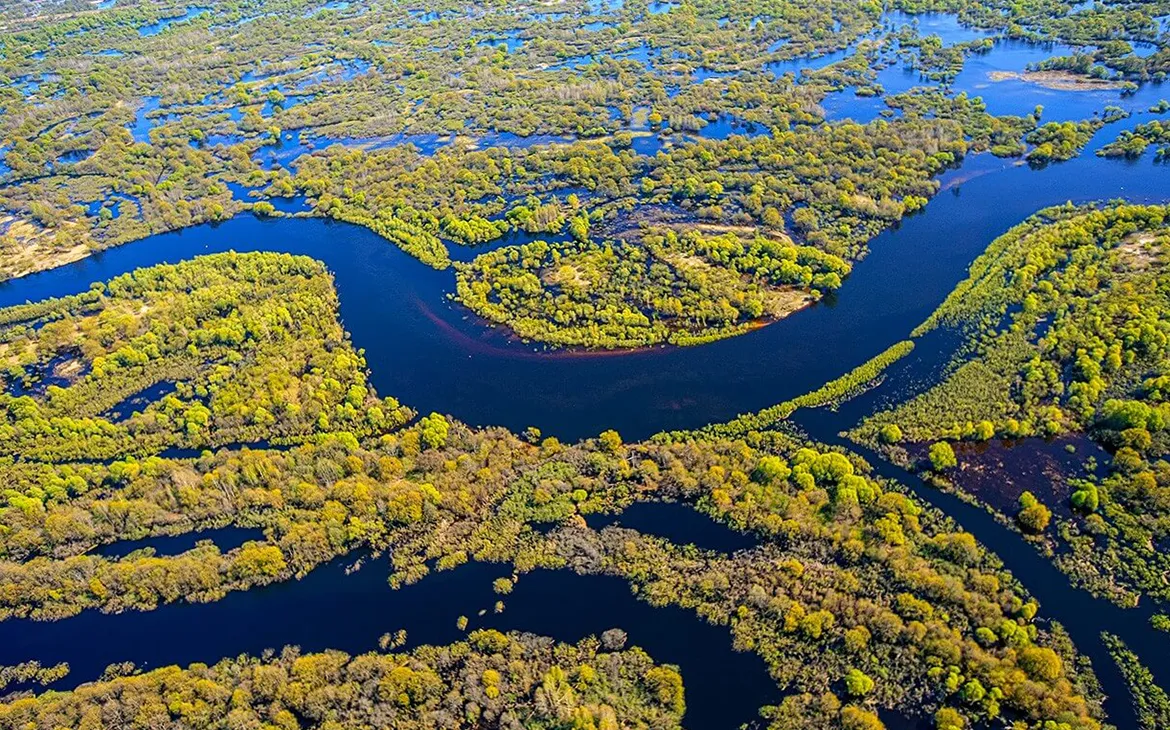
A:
(592, 131)
(441, 141)
(851, 575)
(252, 342)
(1060, 140)
(877, 560)
(30, 673)
(489, 680)
(681, 289)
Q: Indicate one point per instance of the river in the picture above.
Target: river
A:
(1084, 616)
(435, 356)
(334, 608)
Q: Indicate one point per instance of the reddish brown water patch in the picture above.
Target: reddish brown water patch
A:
(999, 471)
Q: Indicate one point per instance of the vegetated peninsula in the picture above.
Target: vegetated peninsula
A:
(1066, 321)
(490, 678)
(851, 581)
(639, 116)
(272, 273)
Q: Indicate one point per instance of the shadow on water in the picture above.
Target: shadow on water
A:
(724, 688)
(138, 401)
(325, 610)
(680, 523)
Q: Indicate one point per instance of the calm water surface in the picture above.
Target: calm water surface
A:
(436, 356)
(330, 609)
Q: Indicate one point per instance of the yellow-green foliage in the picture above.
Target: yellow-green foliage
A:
(252, 341)
(491, 676)
(1068, 326)
(851, 573)
(668, 288)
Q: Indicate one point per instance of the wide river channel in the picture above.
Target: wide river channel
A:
(434, 356)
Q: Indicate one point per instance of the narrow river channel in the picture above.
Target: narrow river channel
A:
(435, 356)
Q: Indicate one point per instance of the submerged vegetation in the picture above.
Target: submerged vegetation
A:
(447, 127)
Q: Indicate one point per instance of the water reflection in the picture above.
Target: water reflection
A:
(434, 355)
(679, 523)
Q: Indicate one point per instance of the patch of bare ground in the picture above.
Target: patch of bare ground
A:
(783, 302)
(629, 223)
(1139, 251)
(26, 249)
(1057, 80)
(69, 370)
(565, 275)
(746, 232)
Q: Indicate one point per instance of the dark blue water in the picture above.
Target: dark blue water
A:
(225, 538)
(436, 356)
(727, 125)
(724, 689)
(326, 609)
(797, 66)
(916, 373)
(1014, 96)
(1082, 615)
(597, 25)
(512, 238)
(332, 5)
(140, 400)
(681, 523)
(140, 128)
(43, 376)
(330, 610)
